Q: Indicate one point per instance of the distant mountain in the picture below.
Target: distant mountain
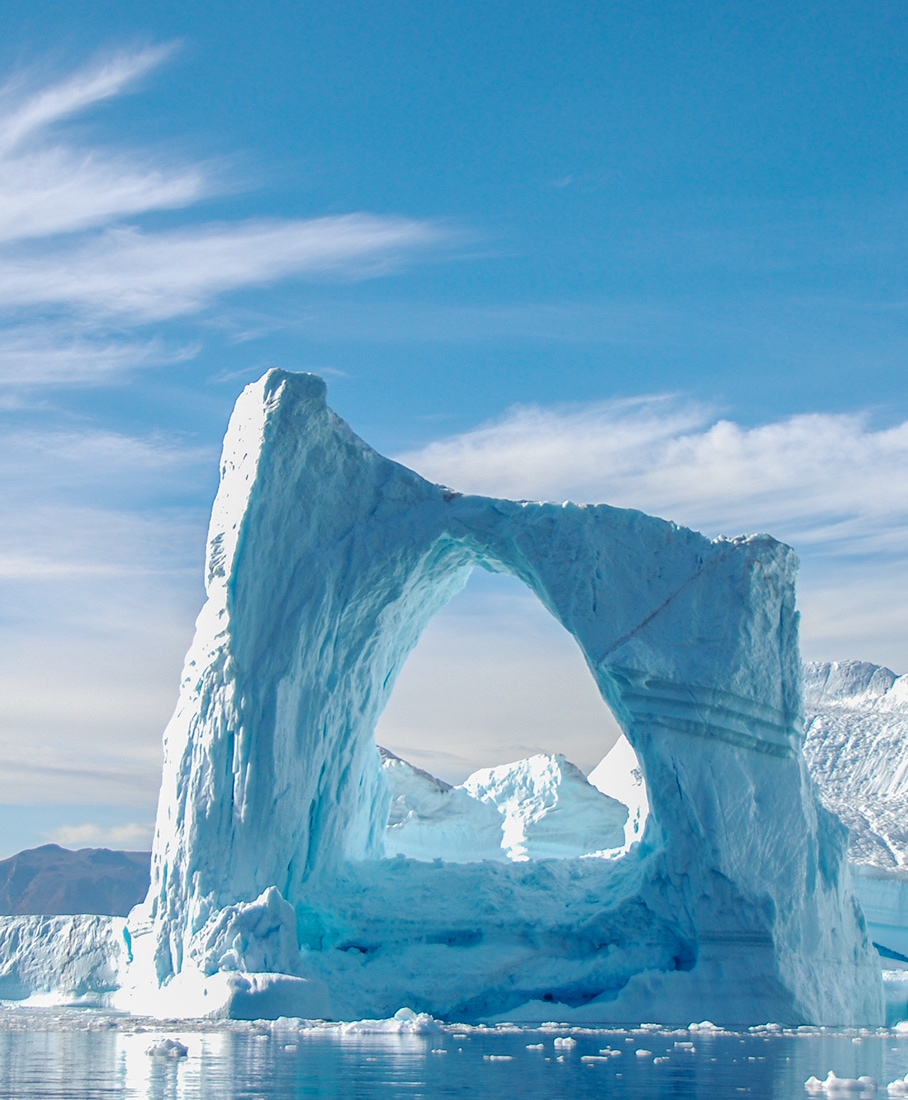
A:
(54, 881)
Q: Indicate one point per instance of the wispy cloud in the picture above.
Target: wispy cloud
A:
(49, 186)
(155, 276)
(69, 258)
(133, 836)
(824, 481)
(68, 354)
(27, 112)
(101, 543)
(833, 487)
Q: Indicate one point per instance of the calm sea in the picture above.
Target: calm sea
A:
(89, 1056)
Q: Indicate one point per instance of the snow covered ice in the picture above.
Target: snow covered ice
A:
(539, 808)
(856, 737)
(856, 745)
(431, 819)
(270, 883)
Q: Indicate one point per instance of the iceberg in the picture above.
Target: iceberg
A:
(619, 775)
(269, 878)
(539, 808)
(856, 746)
(549, 810)
(430, 819)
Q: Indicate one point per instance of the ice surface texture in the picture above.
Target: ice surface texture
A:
(538, 808)
(325, 563)
(857, 751)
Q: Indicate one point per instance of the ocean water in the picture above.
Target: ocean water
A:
(86, 1055)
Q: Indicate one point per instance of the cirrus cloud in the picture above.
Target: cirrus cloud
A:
(75, 256)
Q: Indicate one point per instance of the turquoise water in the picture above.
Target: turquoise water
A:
(88, 1056)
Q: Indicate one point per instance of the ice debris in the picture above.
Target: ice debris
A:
(404, 1022)
(841, 1086)
(167, 1048)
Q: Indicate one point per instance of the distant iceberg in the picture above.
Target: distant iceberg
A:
(271, 890)
(539, 808)
(857, 750)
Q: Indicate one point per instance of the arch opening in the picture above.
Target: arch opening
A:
(491, 733)
(326, 562)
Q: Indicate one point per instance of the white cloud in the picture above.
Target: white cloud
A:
(56, 354)
(101, 545)
(27, 112)
(60, 191)
(48, 186)
(831, 483)
(833, 487)
(69, 264)
(36, 463)
(161, 275)
(131, 837)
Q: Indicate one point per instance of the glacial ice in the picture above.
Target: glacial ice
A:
(325, 562)
(856, 746)
(430, 819)
(619, 775)
(538, 808)
(549, 809)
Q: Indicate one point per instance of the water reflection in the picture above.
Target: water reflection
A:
(83, 1056)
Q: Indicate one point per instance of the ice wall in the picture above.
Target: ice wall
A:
(325, 562)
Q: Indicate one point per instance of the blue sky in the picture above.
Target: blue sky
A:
(652, 254)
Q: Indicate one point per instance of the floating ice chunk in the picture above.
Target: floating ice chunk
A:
(566, 1042)
(841, 1086)
(404, 1022)
(167, 1048)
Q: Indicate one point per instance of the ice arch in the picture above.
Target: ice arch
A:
(325, 562)
(494, 678)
